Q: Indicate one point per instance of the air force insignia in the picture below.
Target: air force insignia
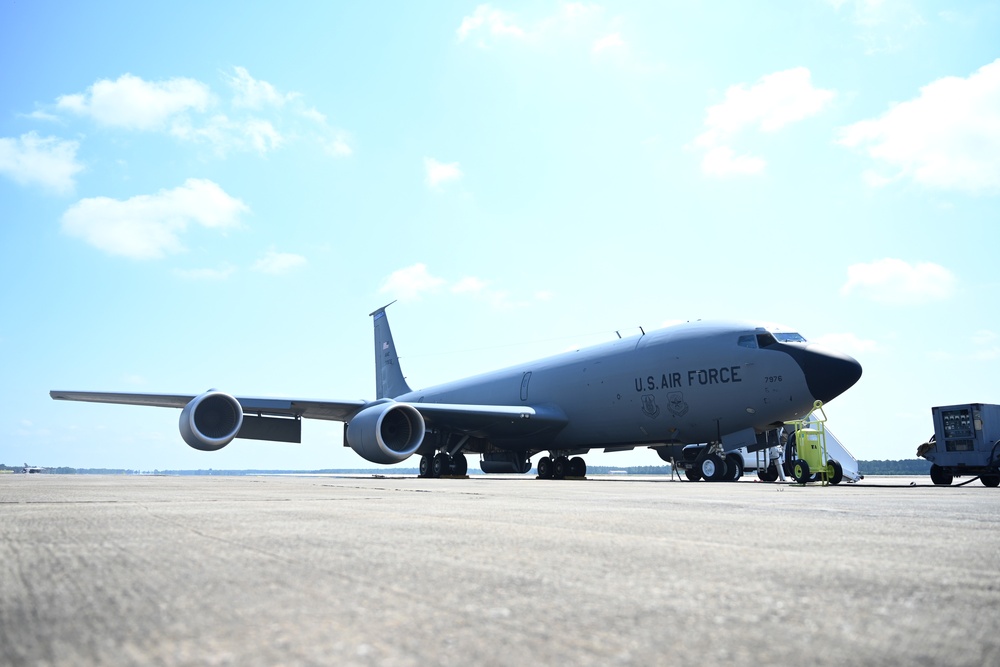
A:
(676, 404)
(649, 406)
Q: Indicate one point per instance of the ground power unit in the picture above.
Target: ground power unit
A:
(966, 442)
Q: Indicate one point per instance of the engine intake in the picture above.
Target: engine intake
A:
(386, 432)
(211, 421)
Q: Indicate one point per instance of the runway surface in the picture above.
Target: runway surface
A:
(494, 571)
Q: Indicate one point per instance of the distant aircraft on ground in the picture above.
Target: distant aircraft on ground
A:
(725, 384)
(26, 469)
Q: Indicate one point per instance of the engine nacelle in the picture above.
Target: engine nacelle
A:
(211, 421)
(386, 432)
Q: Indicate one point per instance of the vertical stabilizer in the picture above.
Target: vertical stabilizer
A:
(389, 380)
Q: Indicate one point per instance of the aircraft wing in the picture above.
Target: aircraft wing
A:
(286, 407)
(498, 421)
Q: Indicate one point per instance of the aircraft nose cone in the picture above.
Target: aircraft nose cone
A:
(829, 374)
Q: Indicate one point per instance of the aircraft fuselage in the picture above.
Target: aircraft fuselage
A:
(684, 384)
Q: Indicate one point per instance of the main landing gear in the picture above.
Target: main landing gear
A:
(442, 465)
(561, 467)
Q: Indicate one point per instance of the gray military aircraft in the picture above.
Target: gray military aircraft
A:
(725, 384)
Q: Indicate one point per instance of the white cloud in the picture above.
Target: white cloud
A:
(336, 145)
(946, 138)
(225, 135)
(722, 161)
(135, 104)
(608, 42)
(31, 160)
(261, 135)
(149, 226)
(257, 118)
(580, 22)
(469, 284)
(883, 25)
(415, 281)
(848, 343)
(438, 173)
(895, 281)
(411, 282)
(279, 263)
(776, 100)
(493, 22)
(205, 274)
(255, 94)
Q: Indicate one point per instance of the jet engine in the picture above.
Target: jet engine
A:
(386, 432)
(211, 421)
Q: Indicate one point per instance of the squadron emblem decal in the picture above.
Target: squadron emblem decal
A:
(676, 404)
(649, 406)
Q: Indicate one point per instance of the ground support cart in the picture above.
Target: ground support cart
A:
(811, 463)
(966, 442)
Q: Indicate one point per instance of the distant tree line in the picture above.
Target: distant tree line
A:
(886, 467)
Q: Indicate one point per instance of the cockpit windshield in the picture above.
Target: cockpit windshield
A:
(789, 337)
(763, 338)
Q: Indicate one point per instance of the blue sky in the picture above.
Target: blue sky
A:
(198, 195)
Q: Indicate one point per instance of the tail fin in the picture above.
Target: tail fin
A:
(389, 380)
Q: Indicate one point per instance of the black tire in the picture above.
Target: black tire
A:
(692, 475)
(560, 467)
(459, 465)
(940, 476)
(834, 471)
(734, 467)
(990, 480)
(425, 466)
(545, 467)
(577, 467)
(770, 474)
(439, 465)
(713, 468)
(800, 471)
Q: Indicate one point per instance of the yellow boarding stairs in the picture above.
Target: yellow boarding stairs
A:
(812, 462)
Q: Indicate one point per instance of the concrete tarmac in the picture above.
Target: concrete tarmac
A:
(495, 571)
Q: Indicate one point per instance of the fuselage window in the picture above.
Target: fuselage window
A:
(765, 339)
(748, 341)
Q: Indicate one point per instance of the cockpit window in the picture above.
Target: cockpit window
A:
(765, 339)
(748, 341)
(789, 337)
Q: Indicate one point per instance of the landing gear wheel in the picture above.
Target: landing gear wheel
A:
(734, 467)
(559, 467)
(425, 466)
(545, 467)
(768, 475)
(940, 476)
(990, 480)
(439, 465)
(692, 475)
(834, 471)
(713, 468)
(459, 465)
(577, 467)
(800, 471)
